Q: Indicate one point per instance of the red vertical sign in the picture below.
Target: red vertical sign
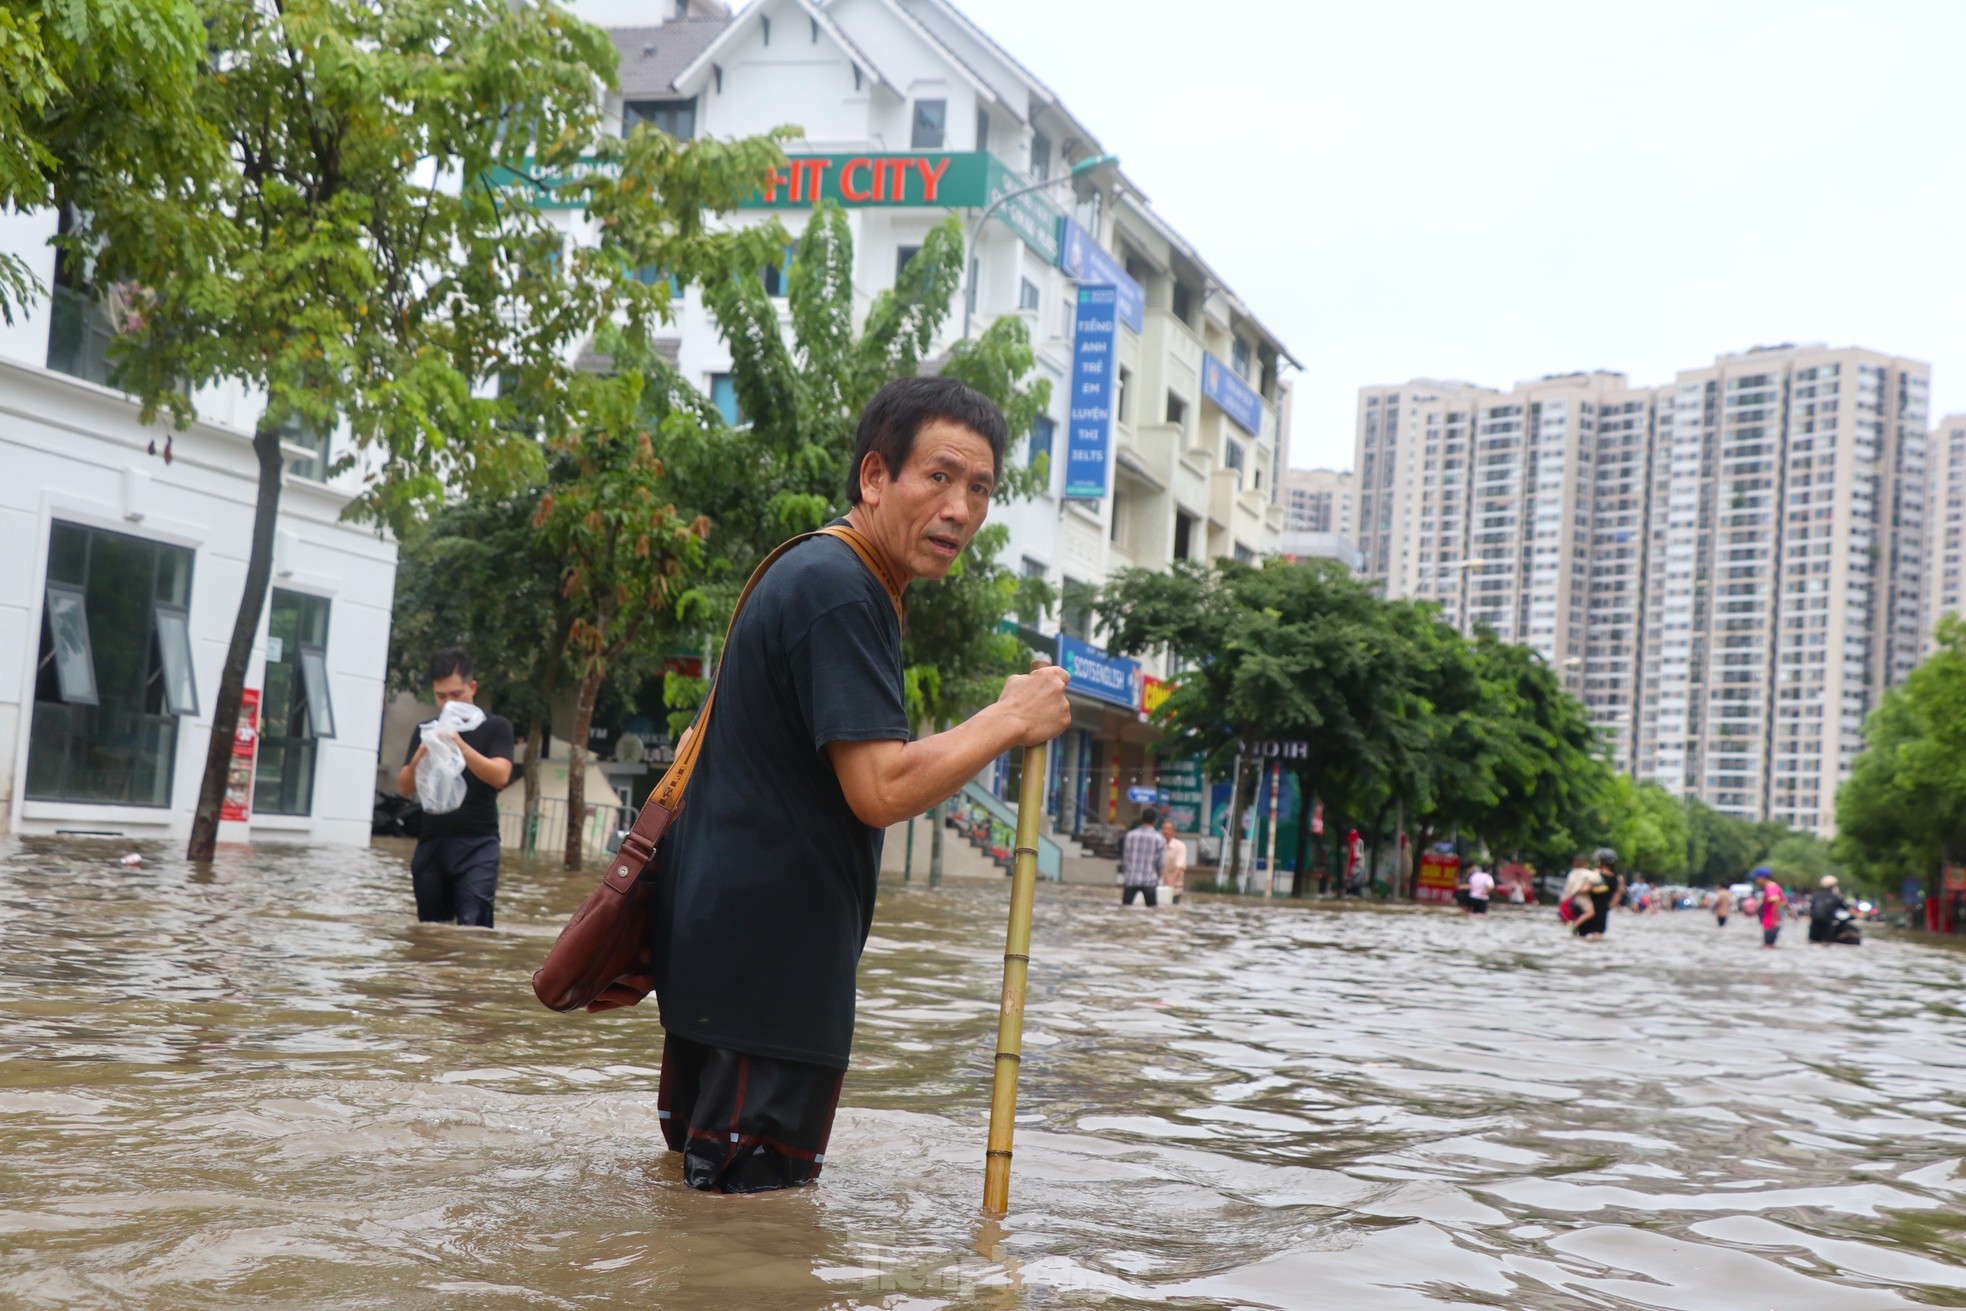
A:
(245, 751)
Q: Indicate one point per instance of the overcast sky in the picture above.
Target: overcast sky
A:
(1499, 189)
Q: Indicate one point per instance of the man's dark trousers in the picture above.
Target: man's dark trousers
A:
(456, 879)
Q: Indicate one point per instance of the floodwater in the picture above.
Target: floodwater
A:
(261, 1085)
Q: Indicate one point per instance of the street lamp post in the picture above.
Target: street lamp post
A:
(969, 256)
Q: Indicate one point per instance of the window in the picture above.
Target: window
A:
(1039, 445)
(903, 254)
(982, 128)
(314, 466)
(676, 117)
(1184, 536)
(1244, 555)
(1040, 157)
(1177, 411)
(115, 669)
(79, 330)
(1184, 303)
(1122, 390)
(1027, 294)
(650, 275)
(1239, 358)
(1075, 608)
(723, 395)
(1234, 457)
(777, 277)
(295, 708)
(930, 118)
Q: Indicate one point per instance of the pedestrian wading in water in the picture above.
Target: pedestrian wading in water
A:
(769, 872)
(1605, 888)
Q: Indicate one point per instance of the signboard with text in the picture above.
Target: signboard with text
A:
(1092, 265)
(1182, 782)
(1440, 872)
(969, 179)
(1153, 692)
(1095, 674)
(238, 804)
(1237, 398)
(1089, 410)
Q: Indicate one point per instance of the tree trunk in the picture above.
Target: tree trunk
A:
(245, 627)
(583, 719)
(529, 821)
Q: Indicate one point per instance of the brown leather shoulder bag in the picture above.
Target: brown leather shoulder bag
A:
(603, 957)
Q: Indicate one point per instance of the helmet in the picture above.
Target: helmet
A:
(1605, 856)
(1762, 872)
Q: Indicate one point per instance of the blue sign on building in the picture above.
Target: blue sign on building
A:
(1237, 398)
(1093, 266)
(1096, 674)
(1089, 409)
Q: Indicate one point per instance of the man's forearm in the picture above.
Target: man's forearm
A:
(909, 777)
(406, 780)
(495, 771)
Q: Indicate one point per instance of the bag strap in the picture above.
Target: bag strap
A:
(639, 845)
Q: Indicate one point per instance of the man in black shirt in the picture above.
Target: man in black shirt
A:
(455, 869)
(769, 871)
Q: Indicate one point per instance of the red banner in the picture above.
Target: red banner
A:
(1438, 875)
(245, 751)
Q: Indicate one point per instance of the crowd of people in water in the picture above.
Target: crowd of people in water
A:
(1595, 888)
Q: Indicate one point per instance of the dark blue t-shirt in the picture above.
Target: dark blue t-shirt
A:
(767, 876)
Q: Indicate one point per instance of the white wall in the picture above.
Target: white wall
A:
(74, 451)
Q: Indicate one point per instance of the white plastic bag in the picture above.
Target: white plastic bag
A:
(440, 774)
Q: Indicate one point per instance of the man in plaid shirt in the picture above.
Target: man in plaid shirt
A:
(1140, 857)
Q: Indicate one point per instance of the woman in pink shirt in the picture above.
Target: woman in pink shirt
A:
(1774, 905)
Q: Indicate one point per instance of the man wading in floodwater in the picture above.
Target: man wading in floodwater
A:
(769, 873)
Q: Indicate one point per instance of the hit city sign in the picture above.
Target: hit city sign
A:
(969, 179)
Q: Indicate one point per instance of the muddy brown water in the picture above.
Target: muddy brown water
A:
(260, 1085)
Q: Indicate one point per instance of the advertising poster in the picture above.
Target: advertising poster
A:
(1181, 782)
(238, 805)
(1439, 872)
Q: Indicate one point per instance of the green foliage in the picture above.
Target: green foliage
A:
(1649, 828)
(1902, 812)
(477, 575)
(91, 86)
(785, 469)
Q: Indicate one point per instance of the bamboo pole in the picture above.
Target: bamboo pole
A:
(1016, 965)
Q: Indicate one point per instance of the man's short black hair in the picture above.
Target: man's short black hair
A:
(889, 423)
(451, 660)
(1147, 817)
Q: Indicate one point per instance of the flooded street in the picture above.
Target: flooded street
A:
(263, 1085)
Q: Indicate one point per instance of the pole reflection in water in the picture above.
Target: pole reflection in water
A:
(261, 1084)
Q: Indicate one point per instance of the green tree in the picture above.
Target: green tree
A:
(478, 575)
(783, 469)
(88, 86)
(1300, 652)
(343, 250)
(1648, 828)
(1902, 812)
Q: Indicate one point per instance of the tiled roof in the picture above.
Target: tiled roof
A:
(651, 57)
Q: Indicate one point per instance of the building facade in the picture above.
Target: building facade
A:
(126, 555)
(1728, 570)
(909, 113)
(1945, 521)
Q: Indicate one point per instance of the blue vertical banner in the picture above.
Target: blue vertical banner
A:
(1089, 422)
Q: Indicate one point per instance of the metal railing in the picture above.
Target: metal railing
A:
(599, 823)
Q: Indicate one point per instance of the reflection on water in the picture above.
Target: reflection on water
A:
(261, 1085)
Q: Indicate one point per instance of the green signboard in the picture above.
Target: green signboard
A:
(915, 180)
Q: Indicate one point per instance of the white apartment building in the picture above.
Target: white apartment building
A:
(125, 549)
(1945, 520)
(1318, 501)
(909, 113)
(1726, 570)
